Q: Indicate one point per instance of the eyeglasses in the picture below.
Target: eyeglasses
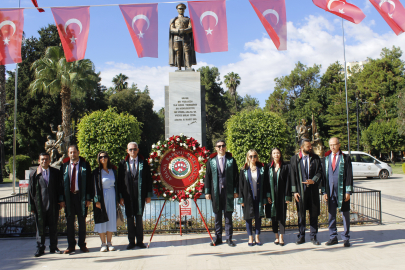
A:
(102, 157)
(253, 156)
(221, 146)
(132, 149)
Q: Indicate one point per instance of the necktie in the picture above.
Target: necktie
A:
(73, 179)
(133, 167)
(45, 176)
(221, 164)
(306, 166)
(334, 162)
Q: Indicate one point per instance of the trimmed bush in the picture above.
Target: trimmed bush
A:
(403, 167)
(22, 163)
(107, 131)
(257, 129)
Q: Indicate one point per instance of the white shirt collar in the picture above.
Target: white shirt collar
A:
(219, 156)
(133, 159)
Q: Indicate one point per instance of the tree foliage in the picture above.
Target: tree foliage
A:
(107, 131)
(257, 129)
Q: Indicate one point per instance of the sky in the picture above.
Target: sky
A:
(314, 36)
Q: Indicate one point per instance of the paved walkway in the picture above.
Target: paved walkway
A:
(373, 247)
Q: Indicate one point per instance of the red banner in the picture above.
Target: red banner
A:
(273, 16)
(342, 9)
(11, 31)
(73, 27)
(142, 23)
(208, 19)
(393, 13)
(36, 5)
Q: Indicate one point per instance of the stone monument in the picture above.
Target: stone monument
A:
(184, 97)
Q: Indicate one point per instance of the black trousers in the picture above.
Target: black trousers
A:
(75, 210)
(218, 218)
(49, 220)
(278, 224)
(313, 223)
(135, 230)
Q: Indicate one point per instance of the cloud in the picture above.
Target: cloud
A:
(316, 41)
(313, 41)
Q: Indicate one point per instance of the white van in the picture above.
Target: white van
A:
(365, 165)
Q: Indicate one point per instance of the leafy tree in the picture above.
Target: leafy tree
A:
(53, 74)
(232, 81)
(2, 113)
(107, 131)
(257, 129)
(250, 103)
(120, 82)
(401, 112)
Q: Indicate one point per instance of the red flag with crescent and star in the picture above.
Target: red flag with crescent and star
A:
(272, 14)
(142, 23)
(73, 27)
(11, 31)
(36, 5)
(342, 9)
(210, 30)
(393, 13)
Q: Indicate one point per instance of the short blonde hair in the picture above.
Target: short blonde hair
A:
(247, 157)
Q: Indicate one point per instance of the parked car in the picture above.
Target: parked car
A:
(365, 165)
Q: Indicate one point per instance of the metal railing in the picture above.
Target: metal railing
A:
(16, 220)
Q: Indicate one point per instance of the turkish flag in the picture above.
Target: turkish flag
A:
(142, 23)
(73, 28)
(273, 16)
(208, 20)
(11, 31)
(36, 5)
(342, 9)
(393, 13)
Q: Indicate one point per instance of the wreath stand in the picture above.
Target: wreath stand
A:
(205, 224)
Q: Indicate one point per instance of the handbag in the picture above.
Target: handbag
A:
(120, 216)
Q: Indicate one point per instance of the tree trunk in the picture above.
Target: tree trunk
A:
(2, 117)
(65, 96)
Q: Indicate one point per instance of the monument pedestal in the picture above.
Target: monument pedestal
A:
(185, 106)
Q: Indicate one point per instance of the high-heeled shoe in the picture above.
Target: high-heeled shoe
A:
(251, 244)
(282, 244)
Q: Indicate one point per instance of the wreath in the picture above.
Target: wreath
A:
(160, 150)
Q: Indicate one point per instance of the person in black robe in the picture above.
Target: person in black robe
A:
(305, 177)
(278, 192)
(45, 200)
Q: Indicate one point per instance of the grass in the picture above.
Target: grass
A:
(397, 168)
(8, 180)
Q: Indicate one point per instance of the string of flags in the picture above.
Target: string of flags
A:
(208, 19)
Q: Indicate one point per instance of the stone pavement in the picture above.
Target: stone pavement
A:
(373, 247)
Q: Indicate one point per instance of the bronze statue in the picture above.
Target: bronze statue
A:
(50, 148)
(303, 130)
(59, 145)
(181, 41)
(317, 146)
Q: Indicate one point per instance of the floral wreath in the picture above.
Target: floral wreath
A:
(173, 143)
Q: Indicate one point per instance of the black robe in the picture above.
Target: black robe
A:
(246, 192)
(100, 215)
(126, 185)
(345, 180)
(54, 190)
(315, 173)
(279, 196)
(212, 184)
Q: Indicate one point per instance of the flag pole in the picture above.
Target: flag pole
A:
(347, 102)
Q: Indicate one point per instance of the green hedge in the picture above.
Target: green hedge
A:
(108, 131)
(22, 163)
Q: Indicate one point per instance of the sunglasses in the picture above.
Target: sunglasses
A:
(132, 149)
(253, 156)
(102, 157)
(221, 146)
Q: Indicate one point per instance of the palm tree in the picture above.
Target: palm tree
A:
(232, 81)
(120, 82)
(54, 75)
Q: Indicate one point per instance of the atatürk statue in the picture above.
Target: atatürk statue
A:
(181, 42)
(303, 130)
(56, 149)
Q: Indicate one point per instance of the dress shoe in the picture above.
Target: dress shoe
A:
(40, 252)
(331, 242)
(300, 241)
(69, 250)
(56, 250)
(315, 241)
(346, 243)
(84, 249)
(282, 244)
(131, 246)
(217, 243)
(230, 243)
(141, 245)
